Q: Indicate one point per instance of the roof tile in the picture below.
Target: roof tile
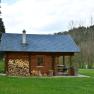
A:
(38, 43)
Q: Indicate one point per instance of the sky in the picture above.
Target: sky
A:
(46, 16)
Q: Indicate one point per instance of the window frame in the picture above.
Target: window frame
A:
(40, 60)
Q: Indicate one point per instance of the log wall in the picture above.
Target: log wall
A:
(25, 64)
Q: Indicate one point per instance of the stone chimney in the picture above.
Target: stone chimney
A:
(24, 37)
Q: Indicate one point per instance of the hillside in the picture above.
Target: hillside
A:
(84, 38)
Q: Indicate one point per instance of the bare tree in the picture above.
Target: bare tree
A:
(71, 24)
(80, 23)
(91, 20)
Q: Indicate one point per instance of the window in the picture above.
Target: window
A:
(40, 61)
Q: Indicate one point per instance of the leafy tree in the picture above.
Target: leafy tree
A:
(2, 30)
(2, 27)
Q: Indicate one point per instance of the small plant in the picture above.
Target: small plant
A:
(1, 66)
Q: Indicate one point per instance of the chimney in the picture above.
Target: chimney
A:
(24, 37)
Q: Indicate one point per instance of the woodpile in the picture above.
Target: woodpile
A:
(18, 67)
(36, 73)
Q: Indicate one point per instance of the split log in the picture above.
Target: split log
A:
(18, 67)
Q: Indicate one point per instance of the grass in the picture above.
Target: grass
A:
(12, 85)
(37, 85)
(88, 72)
(1, 66)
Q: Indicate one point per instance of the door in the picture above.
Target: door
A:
(41, 65)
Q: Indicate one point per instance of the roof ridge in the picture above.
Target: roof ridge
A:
(35, 34)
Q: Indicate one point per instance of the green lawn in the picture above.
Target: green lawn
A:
(12, 85)
(1, 66)
(19, 85)
(88, 72)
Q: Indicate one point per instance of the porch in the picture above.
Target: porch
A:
(56, 64)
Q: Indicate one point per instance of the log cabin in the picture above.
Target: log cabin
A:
(37, 54)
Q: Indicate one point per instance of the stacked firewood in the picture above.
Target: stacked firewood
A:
(18, 67)
(36, 73)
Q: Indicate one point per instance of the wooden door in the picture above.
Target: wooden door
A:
(41, 64)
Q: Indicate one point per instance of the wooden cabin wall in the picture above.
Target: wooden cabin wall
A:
(24, 63)
(31, 59)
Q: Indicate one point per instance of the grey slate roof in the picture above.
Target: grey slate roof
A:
(38, 43)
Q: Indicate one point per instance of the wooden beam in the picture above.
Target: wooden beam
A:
(70, 61)
(44, 53)
(29, 58)
(63, 60)
(54, 53)
(57, 59)
(53, 64)
(6, 63)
